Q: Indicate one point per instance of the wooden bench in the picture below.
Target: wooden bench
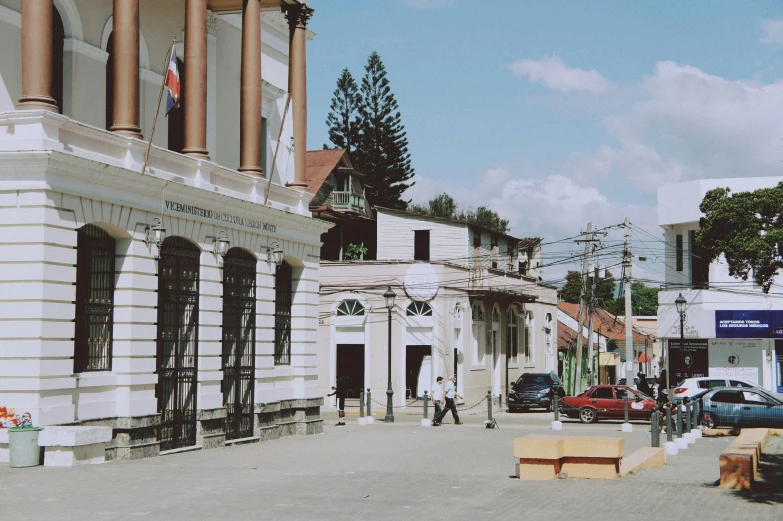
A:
(739, 462)
(544, 457)
(69, 446)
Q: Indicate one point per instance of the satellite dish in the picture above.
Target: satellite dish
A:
(421, 282)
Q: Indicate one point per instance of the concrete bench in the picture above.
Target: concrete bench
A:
(545, 456)
(69, 446)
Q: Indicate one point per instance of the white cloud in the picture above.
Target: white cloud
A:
(772, 32)
(687, 124)
(557, 76)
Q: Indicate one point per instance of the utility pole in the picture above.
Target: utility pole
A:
(582, 308)
(629, 359)
(591, 310)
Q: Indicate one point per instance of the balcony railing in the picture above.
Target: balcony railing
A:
(348, 201)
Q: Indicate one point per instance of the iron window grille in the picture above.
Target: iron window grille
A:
(419, 309)
(350, 308)
(95, 250)
(283, 306)
(177, 342)
(239, 340)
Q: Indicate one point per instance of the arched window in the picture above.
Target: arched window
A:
(419, 309)
(283, 305)
(94, 299)
(477, 339)
(239, 340)
(495, 315)
(350, 308)
(177, 353)
(512, 333)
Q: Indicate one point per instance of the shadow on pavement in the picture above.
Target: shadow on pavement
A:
(769, 489)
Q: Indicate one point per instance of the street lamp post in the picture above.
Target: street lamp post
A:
(680, 304)
(389, 296)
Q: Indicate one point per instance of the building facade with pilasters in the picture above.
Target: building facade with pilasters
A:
(178, 304)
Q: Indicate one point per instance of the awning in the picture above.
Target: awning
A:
(608, 358)
(644, 358)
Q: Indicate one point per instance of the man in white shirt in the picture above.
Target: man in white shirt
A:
(437, 395)
(451, 393)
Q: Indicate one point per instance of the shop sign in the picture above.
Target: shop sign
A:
(742, 324)
(689, 360)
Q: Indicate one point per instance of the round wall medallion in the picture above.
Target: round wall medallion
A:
(734, 359)
(421, 282)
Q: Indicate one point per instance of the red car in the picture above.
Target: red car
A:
(605, 402)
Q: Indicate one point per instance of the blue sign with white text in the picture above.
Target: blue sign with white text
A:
(744, 324)
(776, 324)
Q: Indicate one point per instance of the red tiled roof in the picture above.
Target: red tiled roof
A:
(609, 325)
(565, 336)
(319, 164)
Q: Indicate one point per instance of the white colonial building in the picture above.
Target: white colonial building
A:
(177, 305)
(732, 328)
(467, 303)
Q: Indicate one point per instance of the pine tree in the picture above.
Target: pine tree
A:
(343, 119)
(383, 151)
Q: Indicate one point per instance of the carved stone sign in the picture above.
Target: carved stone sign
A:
(196, 211)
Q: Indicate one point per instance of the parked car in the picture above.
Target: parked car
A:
(534, 390)
(606, 402)
(741, 407)
(691, 386)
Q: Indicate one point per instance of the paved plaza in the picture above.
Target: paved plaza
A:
(399, 471)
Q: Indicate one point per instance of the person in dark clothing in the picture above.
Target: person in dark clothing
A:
(341, 392)
(663, 392)
(643, 386)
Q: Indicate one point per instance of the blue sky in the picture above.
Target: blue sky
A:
(557, 113)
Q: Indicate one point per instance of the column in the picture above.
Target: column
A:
(126, 68)
(196, 79)
(298, 15)
(37, 55)
(250, 95)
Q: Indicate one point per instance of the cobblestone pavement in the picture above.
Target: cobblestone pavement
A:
(399, 471)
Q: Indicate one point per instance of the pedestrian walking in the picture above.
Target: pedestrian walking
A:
(643, 386)
(437, 395)
(450, 393)
(341, 392)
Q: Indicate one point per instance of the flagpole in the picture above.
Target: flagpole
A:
(157, 108)
(277, 147)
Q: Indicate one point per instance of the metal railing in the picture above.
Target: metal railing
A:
(347, 201)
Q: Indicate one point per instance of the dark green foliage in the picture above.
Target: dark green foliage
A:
(343, 119)
(443, 205)
(604, 291)
(747, 228)
(644, 301)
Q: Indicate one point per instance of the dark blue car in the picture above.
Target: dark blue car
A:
(534, 390)
(741, 407)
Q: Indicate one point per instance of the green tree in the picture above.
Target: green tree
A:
(443, 205)
(382, 153)
(644, 301)
(604, 289)
(343, 118)
(747, 228)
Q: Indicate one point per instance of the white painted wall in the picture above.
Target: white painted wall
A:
(448, 241)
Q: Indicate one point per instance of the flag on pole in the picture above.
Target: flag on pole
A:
(172, 82)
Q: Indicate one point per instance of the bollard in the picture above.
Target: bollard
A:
(625, 408)
(678, 420)
(668, 424)
(556, 407)
(655, 429)
(688, 413)
(696, 414)
(426, 399)
(369, 401)
(489, 405)
(361, 404)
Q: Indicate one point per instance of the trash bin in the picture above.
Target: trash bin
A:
(23, 449)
